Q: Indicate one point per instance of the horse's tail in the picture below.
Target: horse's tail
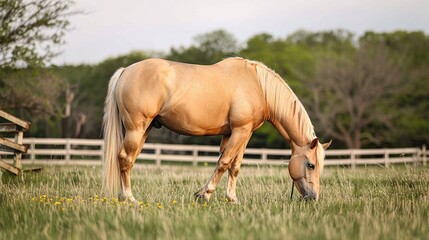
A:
(113, 139)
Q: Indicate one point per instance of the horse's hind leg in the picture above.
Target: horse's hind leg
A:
(133, 143)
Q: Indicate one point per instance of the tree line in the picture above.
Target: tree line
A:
(370, 90)
(366, 91)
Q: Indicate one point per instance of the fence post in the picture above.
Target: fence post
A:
(67, 157)
(158, 154)
(386, 159)
(18, 155)
(194, 156)
(33, 150)
(353, 158)
(416, 157)
(424, 155)
(264, 155)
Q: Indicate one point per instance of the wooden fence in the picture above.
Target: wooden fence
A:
(90, 152)
(14, 146)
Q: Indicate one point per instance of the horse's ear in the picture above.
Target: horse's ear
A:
(326, 145)
(314, 143)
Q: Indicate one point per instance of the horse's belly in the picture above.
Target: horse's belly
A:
(195, 121)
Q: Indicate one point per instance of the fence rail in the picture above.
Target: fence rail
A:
(90, 152)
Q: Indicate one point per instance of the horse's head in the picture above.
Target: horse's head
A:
(305, 167)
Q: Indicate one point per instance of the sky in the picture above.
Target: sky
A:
(110, 28)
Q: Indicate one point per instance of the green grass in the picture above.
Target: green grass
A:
(66, 203)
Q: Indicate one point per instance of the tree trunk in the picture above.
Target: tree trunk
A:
(80, 125)
(67, 112)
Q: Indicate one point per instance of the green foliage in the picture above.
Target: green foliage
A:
(66, 202)
(29, 33)
(27, 26)
(208, 48)
(409, 105)
(32, 94)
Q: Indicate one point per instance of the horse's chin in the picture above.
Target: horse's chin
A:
(306, 189)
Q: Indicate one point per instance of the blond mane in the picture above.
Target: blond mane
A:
(284, 105)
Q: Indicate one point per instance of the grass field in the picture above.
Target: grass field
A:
(67, 203)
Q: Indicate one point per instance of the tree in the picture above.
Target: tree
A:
(409, 50)
(29, 32)
(217, 42)
(336, 41)
(350, 94)
(32, 94)
(208, 48)
(30, 29)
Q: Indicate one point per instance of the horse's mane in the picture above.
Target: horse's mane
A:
(284, 105)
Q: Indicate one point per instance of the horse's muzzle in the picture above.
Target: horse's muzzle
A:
(306, 189)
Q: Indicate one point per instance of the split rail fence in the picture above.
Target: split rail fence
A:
(90, 152)
(15, 146)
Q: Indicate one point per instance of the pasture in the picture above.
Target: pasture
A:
(67, 203)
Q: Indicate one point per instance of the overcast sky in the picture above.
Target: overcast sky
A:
(113, 27)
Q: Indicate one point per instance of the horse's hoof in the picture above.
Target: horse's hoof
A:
(233, 200)
(200, 196)
(123, 198)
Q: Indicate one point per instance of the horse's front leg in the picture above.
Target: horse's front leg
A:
(232, 148)
(233, 171)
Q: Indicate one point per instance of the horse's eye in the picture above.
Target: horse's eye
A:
(311, 166)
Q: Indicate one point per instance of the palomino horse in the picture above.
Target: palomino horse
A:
(231, 98)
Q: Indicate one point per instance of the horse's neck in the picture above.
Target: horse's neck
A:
(290, 118)
(286, 112)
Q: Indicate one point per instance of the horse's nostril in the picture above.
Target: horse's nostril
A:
(310, 195)
(314, 196)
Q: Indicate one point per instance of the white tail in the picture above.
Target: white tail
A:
(113, 139)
